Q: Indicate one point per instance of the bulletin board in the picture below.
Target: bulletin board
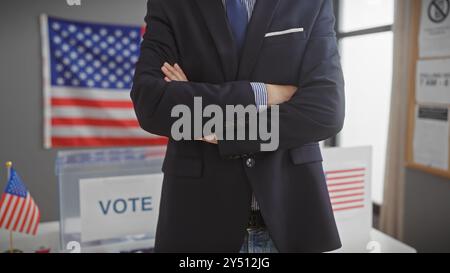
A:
(426, 55)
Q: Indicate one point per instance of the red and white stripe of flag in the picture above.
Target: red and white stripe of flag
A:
(346, 188)
(19, 214)
(95, 118)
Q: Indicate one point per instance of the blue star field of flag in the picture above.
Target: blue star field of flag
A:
(15, 185)
(92, 55)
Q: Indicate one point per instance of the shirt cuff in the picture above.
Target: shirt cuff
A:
(260, 91)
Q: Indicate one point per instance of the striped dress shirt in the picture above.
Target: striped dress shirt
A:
(259, 89)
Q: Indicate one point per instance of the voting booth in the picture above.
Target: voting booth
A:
(109, 198)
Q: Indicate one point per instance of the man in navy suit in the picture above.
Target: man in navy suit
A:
(218, 194)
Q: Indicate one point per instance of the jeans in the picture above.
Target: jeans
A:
(257, 240)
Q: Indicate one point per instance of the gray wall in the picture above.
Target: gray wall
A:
(427, 212)
(20, 82)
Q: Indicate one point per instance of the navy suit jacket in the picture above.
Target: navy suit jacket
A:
(207, 188)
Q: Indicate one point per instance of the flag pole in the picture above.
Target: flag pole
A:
(8, 174)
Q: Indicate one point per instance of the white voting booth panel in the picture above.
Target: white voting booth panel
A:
(109, 198)
(348, 173)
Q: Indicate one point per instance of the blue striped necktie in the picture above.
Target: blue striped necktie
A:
(238, 20)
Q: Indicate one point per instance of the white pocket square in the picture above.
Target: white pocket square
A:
(284, 32)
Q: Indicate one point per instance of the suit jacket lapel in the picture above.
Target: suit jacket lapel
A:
(256, 30)
(216, 21)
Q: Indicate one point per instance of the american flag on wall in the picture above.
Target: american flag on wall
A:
(18, 212)
(346, 188)
(88, 70)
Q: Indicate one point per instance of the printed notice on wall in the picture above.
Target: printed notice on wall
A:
(433, 81)
(435, 28)
(431, 137)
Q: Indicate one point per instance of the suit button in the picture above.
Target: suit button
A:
(250, 162)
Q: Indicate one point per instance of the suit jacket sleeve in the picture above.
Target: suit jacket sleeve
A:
(154, 98)
(316, 112)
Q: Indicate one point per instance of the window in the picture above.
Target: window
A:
(365, 14)
(364, 30)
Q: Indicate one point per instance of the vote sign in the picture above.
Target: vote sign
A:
(114, 207)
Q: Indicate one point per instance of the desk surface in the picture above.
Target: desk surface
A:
(388, 244)
(49, 236)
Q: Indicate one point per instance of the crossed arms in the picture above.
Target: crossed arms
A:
(316, 113)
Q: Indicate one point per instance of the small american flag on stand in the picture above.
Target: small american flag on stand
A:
(88, 70)
(18, 211)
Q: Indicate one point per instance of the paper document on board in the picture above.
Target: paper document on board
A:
(433, 81)
(431, 137)
(434, 34)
